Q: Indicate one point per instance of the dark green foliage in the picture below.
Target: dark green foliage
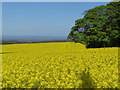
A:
(100, 27)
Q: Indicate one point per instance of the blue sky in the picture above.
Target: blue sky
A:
(42, 18)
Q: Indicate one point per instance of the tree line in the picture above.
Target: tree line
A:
(100, 27)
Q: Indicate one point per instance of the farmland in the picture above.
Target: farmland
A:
(59, 65)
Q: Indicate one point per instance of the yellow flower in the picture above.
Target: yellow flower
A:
(60, 64)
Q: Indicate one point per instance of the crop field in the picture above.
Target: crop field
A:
(59, 65)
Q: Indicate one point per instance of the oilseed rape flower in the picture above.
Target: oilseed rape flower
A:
(59, 65)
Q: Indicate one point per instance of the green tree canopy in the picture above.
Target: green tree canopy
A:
(100, 27)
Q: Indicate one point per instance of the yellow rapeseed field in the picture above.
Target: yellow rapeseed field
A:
(59, 65)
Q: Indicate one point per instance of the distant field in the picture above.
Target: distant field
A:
(59, 65)
(4, 42)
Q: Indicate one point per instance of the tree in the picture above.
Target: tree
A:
(100, 27)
